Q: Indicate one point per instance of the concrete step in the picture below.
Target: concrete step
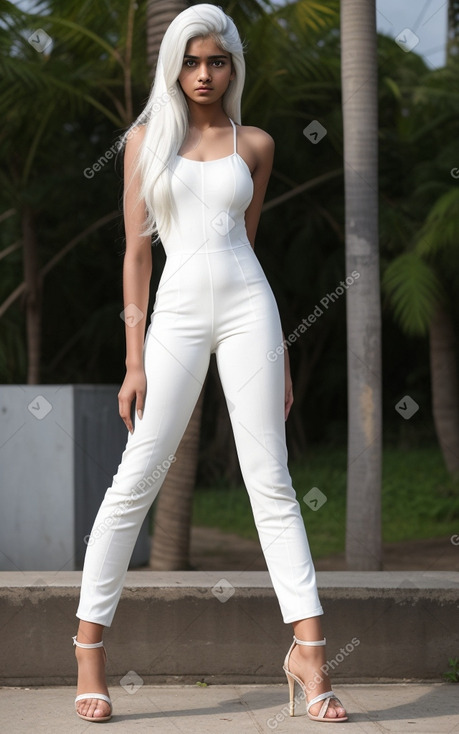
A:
(226, 627)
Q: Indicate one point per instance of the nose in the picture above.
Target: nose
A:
(204, 75)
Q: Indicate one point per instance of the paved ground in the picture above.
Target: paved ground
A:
(418, 708)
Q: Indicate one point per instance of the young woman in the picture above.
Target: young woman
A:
(196, 178)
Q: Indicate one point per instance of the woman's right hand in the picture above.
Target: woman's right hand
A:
(134, 387)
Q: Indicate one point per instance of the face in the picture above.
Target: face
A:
(206, 71)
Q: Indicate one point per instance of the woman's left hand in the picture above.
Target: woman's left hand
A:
(288, 400)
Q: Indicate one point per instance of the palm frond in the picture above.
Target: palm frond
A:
(413, 291)
(441, 229)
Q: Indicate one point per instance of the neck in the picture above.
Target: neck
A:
(204, 116)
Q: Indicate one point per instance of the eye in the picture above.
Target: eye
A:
(189, 63)
(219, 63)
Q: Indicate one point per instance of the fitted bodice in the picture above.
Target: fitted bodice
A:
(210, 199)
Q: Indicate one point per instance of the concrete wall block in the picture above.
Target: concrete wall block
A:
(59, 448)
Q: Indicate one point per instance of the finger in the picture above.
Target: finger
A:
(140, 403)
(128, 423)
(125, 413)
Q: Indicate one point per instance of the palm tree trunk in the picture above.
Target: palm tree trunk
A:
(170, 548)
(445, 398)
(33, 299)
(360, 113)
(160, 13)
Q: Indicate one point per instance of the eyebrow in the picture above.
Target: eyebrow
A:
(215, 56)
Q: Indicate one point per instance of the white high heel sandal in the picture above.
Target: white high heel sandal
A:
(85, 696)
(325, 697)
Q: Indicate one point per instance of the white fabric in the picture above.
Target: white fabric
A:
(213, 297)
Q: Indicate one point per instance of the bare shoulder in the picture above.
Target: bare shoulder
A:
(257, 138)
(256, 147)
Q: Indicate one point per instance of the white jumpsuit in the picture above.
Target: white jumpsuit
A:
(213, 296)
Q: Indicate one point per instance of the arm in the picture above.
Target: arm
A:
(263, 147)
(137, 269)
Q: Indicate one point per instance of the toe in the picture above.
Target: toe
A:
(98, 712)
(335, 710)
(331, 712)
(94, 708)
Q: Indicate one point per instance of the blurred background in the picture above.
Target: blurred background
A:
(74, 75)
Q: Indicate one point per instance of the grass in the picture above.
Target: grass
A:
(419, 499)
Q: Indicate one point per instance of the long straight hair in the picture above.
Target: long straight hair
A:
(166, 112)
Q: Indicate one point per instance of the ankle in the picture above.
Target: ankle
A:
(92, 653)
(89, 633)
(313, 655)
(309, 664)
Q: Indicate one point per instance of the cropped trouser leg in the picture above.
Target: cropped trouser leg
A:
(176, 365)
(254, 389)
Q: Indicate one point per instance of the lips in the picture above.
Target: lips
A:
(204, 89)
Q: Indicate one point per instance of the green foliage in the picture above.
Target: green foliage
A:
(419, 499)
(62, 110)
(440, 233)
(452, 675)
(413, 290)
(419, 208)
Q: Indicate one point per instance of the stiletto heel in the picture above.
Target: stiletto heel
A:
(291, 693)
(325, 697)
(86, 696)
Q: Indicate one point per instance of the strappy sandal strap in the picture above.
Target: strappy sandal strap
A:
(89, 645)
(314, 643)
(101, 696)
(326, 698)
(321, 697)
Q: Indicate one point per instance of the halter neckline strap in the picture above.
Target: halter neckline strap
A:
(234, 134)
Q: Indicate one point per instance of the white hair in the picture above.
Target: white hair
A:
(166, 112)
